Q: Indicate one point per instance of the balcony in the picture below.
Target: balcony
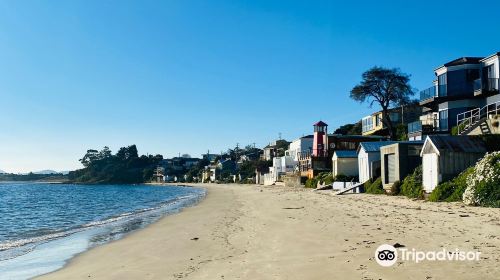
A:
(428, 93)
(431, 93)
(485, 86)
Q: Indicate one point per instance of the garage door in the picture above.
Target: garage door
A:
(391, 164)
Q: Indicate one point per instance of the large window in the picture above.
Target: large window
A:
(443, 120)
(367, 124)
(442, 81)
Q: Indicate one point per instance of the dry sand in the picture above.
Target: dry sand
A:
(250, 232)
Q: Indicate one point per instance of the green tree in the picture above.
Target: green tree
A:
(90, 157)
(387, 87)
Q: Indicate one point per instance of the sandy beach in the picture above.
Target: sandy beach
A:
(251, 232)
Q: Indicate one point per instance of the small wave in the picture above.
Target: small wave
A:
(182, 201)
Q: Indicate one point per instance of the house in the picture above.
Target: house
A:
(281, 166)
(461, 85)
(319, 159)
(444, 157)
(398, 160)
(274, 149)
(301, 145)
(374, 124)
(369, 159)
(483, 119)
(345, 162)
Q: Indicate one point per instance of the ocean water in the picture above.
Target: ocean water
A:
(44, 225)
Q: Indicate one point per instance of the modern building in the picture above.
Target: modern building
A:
(461, 86)
(345, 162)
(374, 124)
(484, 118)
(444, 157)
(398, 160)
(369, 159)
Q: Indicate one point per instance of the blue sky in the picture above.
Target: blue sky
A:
(188, 76)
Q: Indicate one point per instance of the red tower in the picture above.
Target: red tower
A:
(320, 144)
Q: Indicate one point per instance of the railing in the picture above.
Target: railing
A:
(428, 93)
(467, 119)
(415, 127)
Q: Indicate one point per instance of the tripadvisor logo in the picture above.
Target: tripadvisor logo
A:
(387, 255)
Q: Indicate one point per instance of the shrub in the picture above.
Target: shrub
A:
(395, 188)
(375, 187)
(311, 183)
(488, 194)
(483, 184)
(412, 184)
(451, 190)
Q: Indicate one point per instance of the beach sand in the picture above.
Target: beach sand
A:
(252, 232)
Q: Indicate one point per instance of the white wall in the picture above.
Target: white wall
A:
(363, 166)
(364, 162)
(280, 165)
(300, 145)
(430, 171)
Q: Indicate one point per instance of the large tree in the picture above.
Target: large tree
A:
(388, 88)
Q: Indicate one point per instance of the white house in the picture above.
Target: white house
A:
(444, 157)
(345, 162)
(301, 145)
(369, 159)
(281, 165)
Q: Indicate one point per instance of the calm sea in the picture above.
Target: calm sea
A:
(44, 225)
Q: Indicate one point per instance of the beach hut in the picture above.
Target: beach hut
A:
(369, 159)
(345, 162)
(444, 157)
(398, 160)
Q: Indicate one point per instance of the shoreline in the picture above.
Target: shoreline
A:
(255, 232)
(52, 253)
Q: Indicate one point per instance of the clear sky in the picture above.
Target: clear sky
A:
(186, 76)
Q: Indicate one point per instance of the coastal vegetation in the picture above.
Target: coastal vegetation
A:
(126, 167)
(53, 177)
(374, 187)
(326, 178)
(452, 190)
(412, 184)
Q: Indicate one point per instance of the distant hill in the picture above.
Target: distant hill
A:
(45, 172)
(1, 171)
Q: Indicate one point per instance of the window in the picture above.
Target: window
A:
(367, 124)
(490, 71)
(442, 81)
(443, 120)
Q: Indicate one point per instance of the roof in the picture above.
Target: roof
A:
(490, 56)
(307, 136)
(462, 61)
(320, 123)
(345, 154)
(462, 143)
(371, 147)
